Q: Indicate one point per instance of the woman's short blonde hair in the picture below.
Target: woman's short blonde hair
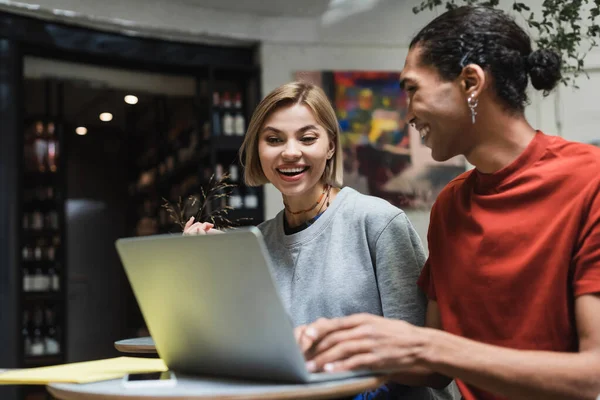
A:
(292, 93)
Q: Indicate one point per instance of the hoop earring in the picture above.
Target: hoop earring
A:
(472, 102)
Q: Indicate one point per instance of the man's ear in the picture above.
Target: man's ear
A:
(473, 80)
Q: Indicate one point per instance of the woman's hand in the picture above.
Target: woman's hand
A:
(199, 228)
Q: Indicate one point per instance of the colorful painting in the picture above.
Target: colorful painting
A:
(383, 155)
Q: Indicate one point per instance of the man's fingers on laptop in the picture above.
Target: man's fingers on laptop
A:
(359, 361)
(339, 357)
(324, 327)
(304, 341)
(361, 332)
(299, 332)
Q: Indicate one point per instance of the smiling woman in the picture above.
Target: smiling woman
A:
(334, 251)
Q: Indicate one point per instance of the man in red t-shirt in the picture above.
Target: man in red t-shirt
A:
(513, 275)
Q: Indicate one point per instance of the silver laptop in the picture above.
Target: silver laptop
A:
(212, 308)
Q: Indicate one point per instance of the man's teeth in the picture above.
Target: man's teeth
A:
(424, 131)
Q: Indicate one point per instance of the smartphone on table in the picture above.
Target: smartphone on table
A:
(150, 379)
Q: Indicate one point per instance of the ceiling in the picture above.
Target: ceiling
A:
(268, 8)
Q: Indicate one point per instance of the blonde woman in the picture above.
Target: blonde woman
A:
(335, 251)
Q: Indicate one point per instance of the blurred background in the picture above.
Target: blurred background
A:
(111, 110)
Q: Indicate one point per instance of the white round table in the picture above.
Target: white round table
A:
(193, 388)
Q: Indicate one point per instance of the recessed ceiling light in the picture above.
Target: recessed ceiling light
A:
(106, 116)
(131, 99)
(81, 130)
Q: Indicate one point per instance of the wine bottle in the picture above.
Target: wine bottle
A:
(54, 283)
(239, 123)
(228, 128)
(27, 283)
(40, 147)
(37, 344)
(235, 199)
(216, 119)
(228, 124)
(26, 334)
(233, 173)
(251, 198)
(53, 153)
(51, 338)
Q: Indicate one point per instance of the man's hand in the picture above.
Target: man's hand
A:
(361, 341)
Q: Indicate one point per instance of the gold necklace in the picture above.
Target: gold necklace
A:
(325, 190)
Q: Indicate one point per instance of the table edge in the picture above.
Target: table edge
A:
(311, 393)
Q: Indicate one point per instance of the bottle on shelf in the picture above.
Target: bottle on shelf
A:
(27, 281)
(40, 147)
(53, 152)
(216, 117)
(235, 199)
(251, 198)
(51, 252)
(51, 342)
(233, 173)
(37, 250)
(27, 253)
(53, 280)
(228, 121)
(37, 343)
(26, 333)
(40, 281)
(218, 172)
(52, 220)
(239, 122)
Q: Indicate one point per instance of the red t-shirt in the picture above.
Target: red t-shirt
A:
(510, 251)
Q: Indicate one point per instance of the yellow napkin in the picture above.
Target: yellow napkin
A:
(82, 372)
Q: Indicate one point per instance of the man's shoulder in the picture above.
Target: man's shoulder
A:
(584, 154)
(447, 194)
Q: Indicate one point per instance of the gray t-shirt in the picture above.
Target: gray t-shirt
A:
(361, 255)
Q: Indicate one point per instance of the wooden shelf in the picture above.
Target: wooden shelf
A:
(31, 233)
(41, 205)
(44, 264)
(42, 296)
(42, 361)
(34, 178)
(227, 143)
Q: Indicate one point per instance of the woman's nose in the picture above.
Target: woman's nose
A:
(291, 150)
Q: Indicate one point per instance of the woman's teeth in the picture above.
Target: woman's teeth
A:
(292, 171)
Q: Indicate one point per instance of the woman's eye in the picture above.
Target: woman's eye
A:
(410, 89)
(308, 139)
(273, 140)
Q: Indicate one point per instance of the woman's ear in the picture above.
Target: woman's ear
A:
(331, 150)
